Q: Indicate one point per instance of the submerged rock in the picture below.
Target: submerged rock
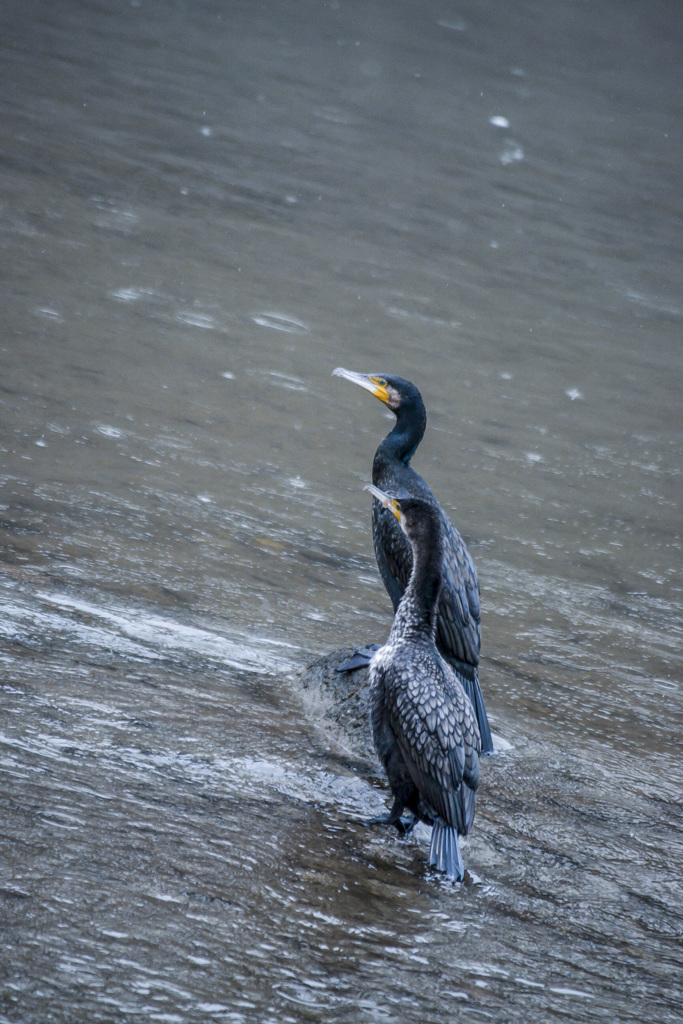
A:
(345, 697)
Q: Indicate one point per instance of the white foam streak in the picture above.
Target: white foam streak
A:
(136, 633)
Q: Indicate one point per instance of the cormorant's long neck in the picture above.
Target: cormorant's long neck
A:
(416, 613)
(400, 443)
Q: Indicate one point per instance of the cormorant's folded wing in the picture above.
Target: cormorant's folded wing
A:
(429, 722)
(459, 619)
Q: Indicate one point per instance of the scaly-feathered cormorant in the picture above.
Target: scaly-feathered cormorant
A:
(423, 723)
(458, 621)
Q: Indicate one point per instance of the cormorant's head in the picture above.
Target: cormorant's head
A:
(418, 516)
(396, 393)
(393, 504)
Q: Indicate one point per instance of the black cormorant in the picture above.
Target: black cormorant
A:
(458, 621)
(423, 723)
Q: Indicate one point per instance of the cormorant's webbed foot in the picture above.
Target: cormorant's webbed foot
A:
(402, 825)
(360, 658)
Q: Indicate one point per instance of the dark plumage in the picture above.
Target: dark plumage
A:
(458, 619)
(423, 724)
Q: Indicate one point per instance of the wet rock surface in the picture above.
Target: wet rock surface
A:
(346, 696)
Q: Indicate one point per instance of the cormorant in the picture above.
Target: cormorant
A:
(423, 724)
(458, 621)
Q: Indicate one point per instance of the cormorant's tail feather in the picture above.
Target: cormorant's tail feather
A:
(473, 691)
(444, 852)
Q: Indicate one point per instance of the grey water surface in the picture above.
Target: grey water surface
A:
(204, 208)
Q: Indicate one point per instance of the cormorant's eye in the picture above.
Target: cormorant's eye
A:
(381, 381)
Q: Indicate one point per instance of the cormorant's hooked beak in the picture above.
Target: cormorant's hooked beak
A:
(390, 503)
(376, 385)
